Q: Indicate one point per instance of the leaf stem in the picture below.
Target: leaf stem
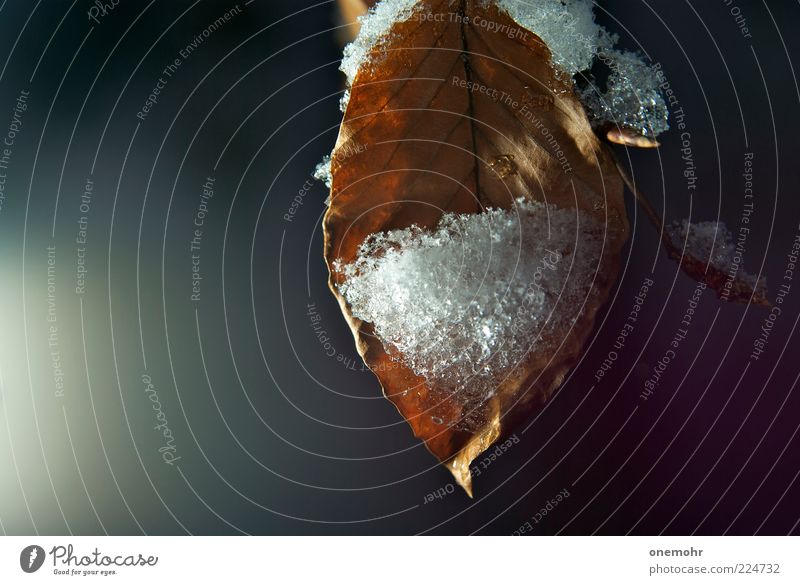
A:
(649, 210)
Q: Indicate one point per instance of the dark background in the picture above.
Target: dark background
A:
(274, 435)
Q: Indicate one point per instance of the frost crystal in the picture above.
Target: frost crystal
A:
(632, 100)
(323, 172)
(566, 26)
(375, 26)
(344, 100)
(712, 242)
(463, 304)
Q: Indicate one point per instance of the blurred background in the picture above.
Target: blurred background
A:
(172, 362)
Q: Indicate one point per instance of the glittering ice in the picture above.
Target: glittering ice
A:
(344, 100)
(463, 304)
(375, 26)
(566, 26)
(632, 98)
(323, 171)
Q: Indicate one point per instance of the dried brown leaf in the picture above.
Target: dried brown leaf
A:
(448, 116)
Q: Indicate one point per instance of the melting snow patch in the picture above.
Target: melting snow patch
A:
(375, 26)
(463, 304)
(567, 28)
(632, 98)
(323, 172)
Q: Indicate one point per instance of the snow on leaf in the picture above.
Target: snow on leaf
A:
(471, 298)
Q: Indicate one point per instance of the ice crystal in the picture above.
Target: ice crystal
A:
(323, 171)
(567, 27)
(632, 99)
(375, 26)
(463, 304)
